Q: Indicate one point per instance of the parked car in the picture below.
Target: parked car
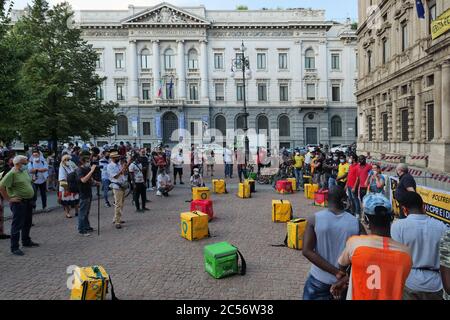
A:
(312, 147)
(342, 148)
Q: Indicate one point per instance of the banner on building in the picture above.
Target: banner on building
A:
(441, 25)
(158, 127)
(437, 202)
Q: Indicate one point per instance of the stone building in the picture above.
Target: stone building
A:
(403, 90)
(169, 68)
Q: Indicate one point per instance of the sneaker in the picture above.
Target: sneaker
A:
(146, 209)
(85, 234)
(107, 205)
(31, 244)
(18, 252)
(118, 226)
(139, 210)
(181, 182)
(90, 229)
(159, 194)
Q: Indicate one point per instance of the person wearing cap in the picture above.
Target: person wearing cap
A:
(196, 179)
(379, 264)
(422, 234)
(67, 199)
(323, 242)
(117, 175)
(16, 188)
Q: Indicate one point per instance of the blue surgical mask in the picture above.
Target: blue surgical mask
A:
(23, 168)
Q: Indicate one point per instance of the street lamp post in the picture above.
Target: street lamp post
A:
(243, 64)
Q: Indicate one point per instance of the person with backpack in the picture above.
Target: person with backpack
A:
(16, 188)
(138, 181)
(85, 180)
(68, 194)
(38, 169)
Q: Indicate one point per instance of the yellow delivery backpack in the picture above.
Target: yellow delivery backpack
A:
(295, 231)
(244, 191)
(293, 182)
(200, 193)
(281, 211)
(91, 283)
(219, 186)
(194, 225)
(310, 189)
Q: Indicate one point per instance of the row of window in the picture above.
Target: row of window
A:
(404, 118)
(146, 93)
(220, 123)
(404, 37)
(261, 60)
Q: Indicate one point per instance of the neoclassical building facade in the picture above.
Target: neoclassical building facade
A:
(169, 68)
(404, 84)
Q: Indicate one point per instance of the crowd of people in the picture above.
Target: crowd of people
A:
(357, 248)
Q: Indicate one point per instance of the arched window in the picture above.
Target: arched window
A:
(145, 59)
(221, 124)
(240, 122)
(122, 125)
(310, 59)
(263, 125)
(169, 62)
(192, 59)
(336, 126)
(284, 126)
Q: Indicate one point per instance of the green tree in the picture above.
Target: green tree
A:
(58, 79)
(241, 7)
(8, 76)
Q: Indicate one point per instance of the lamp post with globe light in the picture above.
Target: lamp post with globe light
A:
(242, 63)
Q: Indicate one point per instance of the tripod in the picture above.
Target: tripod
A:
(98, 210)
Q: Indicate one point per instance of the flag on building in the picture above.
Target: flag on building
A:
(420, 9)
(160, 89)
(171, 89)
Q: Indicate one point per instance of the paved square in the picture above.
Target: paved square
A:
(148, 259)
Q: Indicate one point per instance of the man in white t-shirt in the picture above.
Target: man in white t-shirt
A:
(118, 178)
(139, 189)
(228, 161)
(164, 183)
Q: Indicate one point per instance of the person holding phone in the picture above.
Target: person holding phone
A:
(375, 180)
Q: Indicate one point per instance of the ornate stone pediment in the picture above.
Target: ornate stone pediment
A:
(164, 14)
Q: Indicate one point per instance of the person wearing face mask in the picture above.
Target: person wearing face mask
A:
(38, 169)
(104, 162)
(16, 188)
(330, 167)
(351, 185)
(118, 177)
(178, 163)
(342, 171)
(363, 174)
(85, 173)
(406, 183)
(67, 199)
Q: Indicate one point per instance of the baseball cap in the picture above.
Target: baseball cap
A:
(374, 200)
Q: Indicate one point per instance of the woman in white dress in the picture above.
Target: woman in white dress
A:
(68, 199)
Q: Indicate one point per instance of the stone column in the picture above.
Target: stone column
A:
(181, 70)
(418, 109)
(204, 70)
(394, 96)
(133, 67)
(437, 103)
(445, 101)
(156, 68)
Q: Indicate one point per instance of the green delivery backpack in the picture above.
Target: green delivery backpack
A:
(221, 260)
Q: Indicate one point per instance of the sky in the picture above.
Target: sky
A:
(335, 10)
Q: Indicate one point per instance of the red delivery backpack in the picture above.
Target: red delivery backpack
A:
(284, 186)
(205, 206)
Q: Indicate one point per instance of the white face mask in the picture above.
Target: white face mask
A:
(350, 161)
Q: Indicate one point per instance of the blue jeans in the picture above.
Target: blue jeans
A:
(105, 189)
(242, 173)
(21, 223)
(299, 177)
(331, 182)
(353, 198)
(83, 215)
(316, 290)
(229, 170)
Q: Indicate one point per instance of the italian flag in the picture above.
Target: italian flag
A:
(160, 89)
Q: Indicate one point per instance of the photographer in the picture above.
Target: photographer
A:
(117, 175)
(104, 162)
(85, 178)
(138, 181)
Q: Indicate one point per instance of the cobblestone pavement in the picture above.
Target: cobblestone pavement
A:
(148, 259)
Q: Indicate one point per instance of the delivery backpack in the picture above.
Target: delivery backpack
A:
(72, 182)
(221, 260)
(91, 283)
